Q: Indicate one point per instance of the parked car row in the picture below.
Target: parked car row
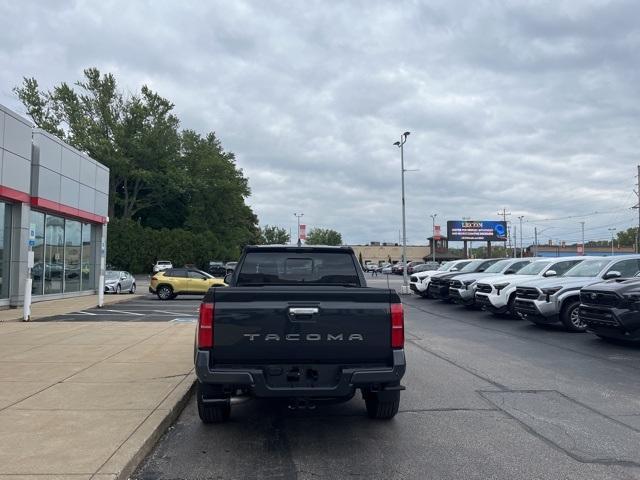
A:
(398, 268)
(596, 294)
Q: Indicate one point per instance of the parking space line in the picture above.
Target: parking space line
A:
(124, 311)
(82, 312)
(170, 313)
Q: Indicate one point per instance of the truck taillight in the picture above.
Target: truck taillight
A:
(397, 325)
(205, 326)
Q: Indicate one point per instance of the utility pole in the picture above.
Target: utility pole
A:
(298, 216)
(504, 214)
(582, 227)
(433, 234)
(638, 207)
(515, 242)
(535, 237)
(405, 277)
(612, 230)
(520, 218)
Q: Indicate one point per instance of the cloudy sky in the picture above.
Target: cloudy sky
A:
(532, 106)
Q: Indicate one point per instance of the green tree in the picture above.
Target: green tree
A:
(323, 236)
(273, 235)
(136, 137)
(160, 177)
(627, 238)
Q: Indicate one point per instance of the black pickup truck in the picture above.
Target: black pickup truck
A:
(611, 309)
(299, 324)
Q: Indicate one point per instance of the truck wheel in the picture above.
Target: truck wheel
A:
(570, 318)
(212, 413)
(164, 292)
(382, 405)
(511, 311)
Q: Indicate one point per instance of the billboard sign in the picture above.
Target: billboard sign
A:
(483, 230)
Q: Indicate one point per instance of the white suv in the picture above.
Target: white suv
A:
(162, 265)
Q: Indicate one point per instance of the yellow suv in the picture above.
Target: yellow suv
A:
(172, 282)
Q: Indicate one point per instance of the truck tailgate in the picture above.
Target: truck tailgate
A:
(301, 324)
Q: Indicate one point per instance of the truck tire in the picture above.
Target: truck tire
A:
(570, 318)
(511, 311)
(382, 405)
(212, 413)
(164, 292)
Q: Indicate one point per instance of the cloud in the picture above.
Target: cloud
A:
(526, 105)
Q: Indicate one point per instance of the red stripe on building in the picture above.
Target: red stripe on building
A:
(14, 195)
(65, 210)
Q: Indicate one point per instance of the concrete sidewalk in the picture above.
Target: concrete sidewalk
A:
(88, 400)
(62, 306)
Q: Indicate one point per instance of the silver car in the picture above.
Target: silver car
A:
(118, 281)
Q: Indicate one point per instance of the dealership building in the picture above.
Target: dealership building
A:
(54, 201)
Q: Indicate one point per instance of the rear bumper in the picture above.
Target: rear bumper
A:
(255, 378)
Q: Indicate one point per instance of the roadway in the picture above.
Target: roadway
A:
(486, 397)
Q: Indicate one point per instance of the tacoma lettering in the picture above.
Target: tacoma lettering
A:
(309, 337)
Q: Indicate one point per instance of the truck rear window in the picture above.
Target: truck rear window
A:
(286, 268)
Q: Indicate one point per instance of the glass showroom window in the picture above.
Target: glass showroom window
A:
(5, 248)
(53, 254)
(72, 249)
(87, 257)
(37, 272)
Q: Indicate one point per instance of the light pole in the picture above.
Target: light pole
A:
(433, 234)
(405, 278)
(583, 250)
(520, 218)
(612, 230)
(298, 216)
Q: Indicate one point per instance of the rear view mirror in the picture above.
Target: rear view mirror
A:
(612, 274)
(510, 272)
(550, 273)
(227, 278)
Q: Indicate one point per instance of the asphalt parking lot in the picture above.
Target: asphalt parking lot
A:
(486, 397)
(146, 308)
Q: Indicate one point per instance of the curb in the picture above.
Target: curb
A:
(140, 453)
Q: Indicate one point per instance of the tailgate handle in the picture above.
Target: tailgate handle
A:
(303, 310)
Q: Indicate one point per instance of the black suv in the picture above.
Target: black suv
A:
(612, 309)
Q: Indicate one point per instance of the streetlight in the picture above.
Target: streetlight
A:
(433, 234)
(520, 217)
(612, 230)
(405, 278)
(298, 216)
